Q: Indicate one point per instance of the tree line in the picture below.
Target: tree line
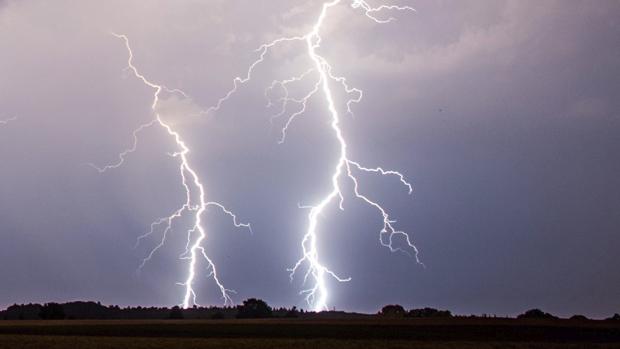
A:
(395, 310)
(250, 309)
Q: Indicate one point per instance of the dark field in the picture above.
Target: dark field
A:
(305, 333)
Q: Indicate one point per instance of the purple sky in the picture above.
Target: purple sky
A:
(503, 115)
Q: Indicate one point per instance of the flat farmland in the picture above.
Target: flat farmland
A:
(308, 333)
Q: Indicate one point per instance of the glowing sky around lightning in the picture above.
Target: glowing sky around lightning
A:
(316, 294)
(194, 205)
(501, 115)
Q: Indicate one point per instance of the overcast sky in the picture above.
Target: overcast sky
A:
(503, 115)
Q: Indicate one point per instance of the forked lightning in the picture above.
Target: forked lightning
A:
(323, 80)
(194, 204)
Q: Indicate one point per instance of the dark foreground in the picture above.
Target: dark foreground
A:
(305, 333)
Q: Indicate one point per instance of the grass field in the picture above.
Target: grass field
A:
(58, 342)
(305, 333)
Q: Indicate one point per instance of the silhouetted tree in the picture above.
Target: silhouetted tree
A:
(292, 313)
(52, 311)
(536, 314)
(176, 313)
(253, 309)
(616, 317)
(392, 310)
(22, 312)
(429, 312)
(578, 318)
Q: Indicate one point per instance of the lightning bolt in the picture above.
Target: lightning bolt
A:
(322, 73)
(194, 204)
(7, 121)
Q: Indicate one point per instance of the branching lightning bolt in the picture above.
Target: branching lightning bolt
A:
(196, 205)
(317, 295)
(7, 121)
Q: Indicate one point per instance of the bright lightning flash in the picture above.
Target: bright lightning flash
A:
(322, 73)
(195, 205)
